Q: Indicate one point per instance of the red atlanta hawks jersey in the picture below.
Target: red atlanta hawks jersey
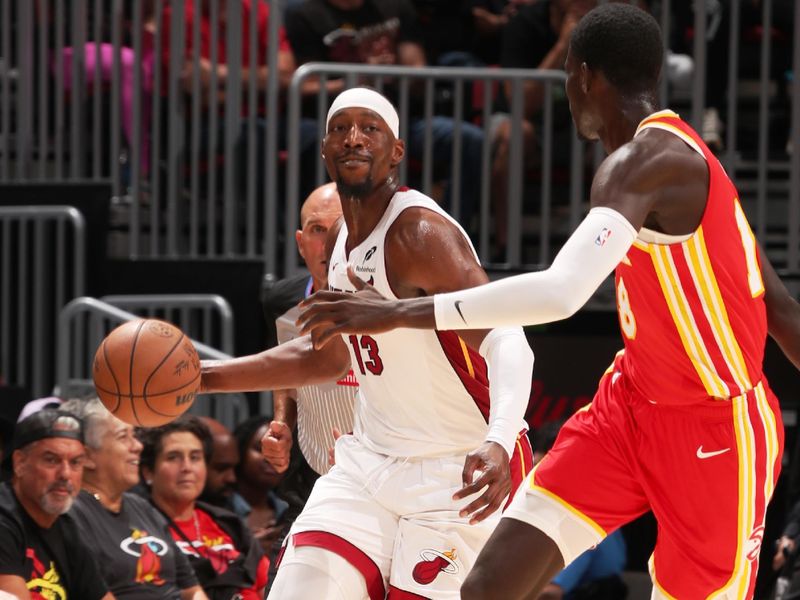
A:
(691, 308)
(421, 393)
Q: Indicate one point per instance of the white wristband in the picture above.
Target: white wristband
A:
(591, 253)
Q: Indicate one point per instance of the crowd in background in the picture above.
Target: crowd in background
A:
(217, 502)
(413, 33)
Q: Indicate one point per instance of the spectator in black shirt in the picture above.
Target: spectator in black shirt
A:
(136, 554)
(220, 489)
(41, 551)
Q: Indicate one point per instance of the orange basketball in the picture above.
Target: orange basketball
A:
(146, 372)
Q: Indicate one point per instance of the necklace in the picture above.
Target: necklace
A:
(197, 527)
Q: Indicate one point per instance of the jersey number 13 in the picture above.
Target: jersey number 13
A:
(366, 352)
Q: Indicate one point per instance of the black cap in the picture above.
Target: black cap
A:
(47, 423)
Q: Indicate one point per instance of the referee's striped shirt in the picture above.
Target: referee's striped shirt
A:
(320, 407)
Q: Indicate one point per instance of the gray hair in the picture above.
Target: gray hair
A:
(96, 419)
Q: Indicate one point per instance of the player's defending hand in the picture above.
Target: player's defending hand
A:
(328, 314)
(490, 460)
(276, 445)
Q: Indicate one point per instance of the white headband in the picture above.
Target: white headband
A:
(366, 98)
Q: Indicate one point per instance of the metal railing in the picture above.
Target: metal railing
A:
(42, 266)
(406, 79)
(84, 322)
(84, 93)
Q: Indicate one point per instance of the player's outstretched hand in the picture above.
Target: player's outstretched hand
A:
(490, 462)
(328, 314)
(276, 445)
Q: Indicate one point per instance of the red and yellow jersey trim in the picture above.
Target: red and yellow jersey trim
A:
(655, 121)
(684, 319)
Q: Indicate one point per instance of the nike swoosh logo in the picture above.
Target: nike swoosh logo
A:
(701, 454)
(458, 308)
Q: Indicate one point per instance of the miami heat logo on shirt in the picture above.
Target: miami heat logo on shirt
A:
(44, 584)
(434, 562)
(149, 550)
(215, 549)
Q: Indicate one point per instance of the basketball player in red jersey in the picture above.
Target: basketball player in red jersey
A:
(684, 422)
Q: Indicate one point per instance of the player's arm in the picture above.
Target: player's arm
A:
(783, 312)
(630, 186)
(620, 203)
(293, 364)
(426, 254)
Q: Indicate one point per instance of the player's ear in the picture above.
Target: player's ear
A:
(398, 152)
(586, 78)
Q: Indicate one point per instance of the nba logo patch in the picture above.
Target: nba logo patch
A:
(602, 237)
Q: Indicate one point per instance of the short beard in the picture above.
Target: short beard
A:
(56, 508)
(356, 190)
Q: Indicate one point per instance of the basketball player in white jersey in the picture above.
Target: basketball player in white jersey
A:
(317, 410)
(402, 512)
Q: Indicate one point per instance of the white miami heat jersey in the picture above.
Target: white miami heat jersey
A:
(421, 393)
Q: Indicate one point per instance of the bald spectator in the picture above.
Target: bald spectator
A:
(41, 551)
(220, 487)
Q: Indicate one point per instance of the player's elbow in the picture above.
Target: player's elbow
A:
(334, 365)
(565, 302)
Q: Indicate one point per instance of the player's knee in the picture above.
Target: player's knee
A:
(323, 574)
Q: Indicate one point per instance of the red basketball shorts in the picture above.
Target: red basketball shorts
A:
(707, 471)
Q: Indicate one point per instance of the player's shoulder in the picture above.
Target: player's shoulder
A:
(419, 226)
(648, 161)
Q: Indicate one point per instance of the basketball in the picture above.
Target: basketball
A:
(146, 372)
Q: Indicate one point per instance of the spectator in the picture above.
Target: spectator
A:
(256, 482)
(98, 60)
(784, 561)
(41, 551)
(225, 557)
(751, 30)
(136, 554)
(216, 74)
(535, 38)
(385, 33)
(220, 487)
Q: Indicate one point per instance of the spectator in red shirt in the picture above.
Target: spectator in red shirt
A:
(226, 558)
(213, 75)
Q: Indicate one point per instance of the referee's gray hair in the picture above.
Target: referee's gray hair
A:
(96, 419)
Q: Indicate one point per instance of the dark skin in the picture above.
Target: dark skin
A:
(425, 254)
(656, 181)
